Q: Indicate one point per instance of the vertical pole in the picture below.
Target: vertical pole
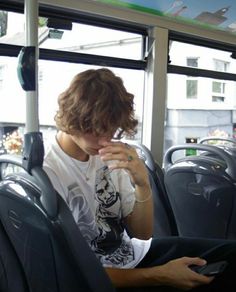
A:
(156, 92)
(33, 150)
(31, 31)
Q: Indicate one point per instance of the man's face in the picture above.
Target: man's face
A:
(90, 143)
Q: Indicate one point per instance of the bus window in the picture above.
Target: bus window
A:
(54, 75)
(202, 106)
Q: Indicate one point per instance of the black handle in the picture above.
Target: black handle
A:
(227, 158)
(26, 68)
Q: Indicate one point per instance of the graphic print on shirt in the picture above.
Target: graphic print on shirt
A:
(109, 244)
(102, 226)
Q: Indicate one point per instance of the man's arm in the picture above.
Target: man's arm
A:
(140, 221)
(175, 273)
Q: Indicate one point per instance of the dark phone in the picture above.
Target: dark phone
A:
(211, 269)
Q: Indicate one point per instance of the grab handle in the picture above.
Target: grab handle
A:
(227, 158)
(214, 138)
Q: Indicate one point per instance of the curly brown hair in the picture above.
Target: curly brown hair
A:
(96, 102)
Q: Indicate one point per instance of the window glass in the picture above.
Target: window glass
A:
(3, 23)
(58, 75)
(12, 28)
(2, 70)
(219, 91)
(201, 106)
(192, 62)
(218, 98)
(191, 88)
(94, 40)
(218, 87)
(78, 38)
(183, 54)
(54, 77)
(220, 65)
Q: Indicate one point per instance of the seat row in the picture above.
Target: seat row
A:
(41, 248)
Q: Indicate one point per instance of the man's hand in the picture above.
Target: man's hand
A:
(177, 273)
(126, 157)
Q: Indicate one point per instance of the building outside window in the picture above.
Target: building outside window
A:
(191, 84)
(220, 65)
(219, 87)
(199, 106)
(192, 62)
(191, 88)
(2, 69)
(3, 23)
(218, 91)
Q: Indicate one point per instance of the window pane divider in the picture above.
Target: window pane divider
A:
(77, 58)
(196, 72)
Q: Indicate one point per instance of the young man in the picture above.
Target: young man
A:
(106, 187)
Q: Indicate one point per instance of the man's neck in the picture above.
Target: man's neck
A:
(70, 147)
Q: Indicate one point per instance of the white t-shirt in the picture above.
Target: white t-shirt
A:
(99, 200)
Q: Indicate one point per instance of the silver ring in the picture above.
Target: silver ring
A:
(130, 158)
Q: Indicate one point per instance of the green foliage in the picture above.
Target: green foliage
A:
(42, 21)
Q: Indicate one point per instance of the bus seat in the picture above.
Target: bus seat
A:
(51, 249)
(164, 220)
(12, 277)
(201, 190)
(54, 255)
